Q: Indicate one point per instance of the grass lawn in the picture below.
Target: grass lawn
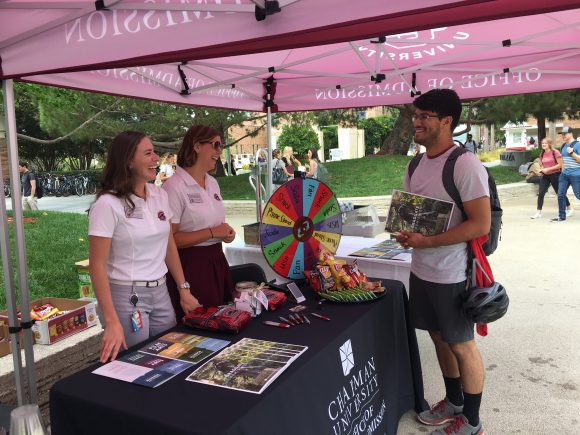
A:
(53, 245)
(57, 240)
(367, 176)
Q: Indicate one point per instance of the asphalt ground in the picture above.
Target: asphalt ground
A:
(531, 356)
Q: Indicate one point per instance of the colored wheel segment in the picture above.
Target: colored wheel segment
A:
(301, 218)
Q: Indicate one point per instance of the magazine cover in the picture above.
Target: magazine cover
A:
(162, 359)
(249, 365)
(387, 249)
(418, 214)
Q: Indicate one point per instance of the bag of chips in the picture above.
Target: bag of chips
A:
(226, 319)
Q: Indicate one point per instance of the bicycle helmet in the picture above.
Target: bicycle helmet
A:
(486, 304)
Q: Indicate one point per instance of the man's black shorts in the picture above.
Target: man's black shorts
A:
(437, 307)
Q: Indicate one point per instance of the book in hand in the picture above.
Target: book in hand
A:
(418, 214)
(162, 359)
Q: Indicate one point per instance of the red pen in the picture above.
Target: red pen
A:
(305, 318)
(289, 322)
(320, 316)
(279, 325)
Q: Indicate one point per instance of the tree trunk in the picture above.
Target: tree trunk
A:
(541, 130)
(401, 136)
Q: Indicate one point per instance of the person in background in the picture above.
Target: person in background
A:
(550, 168)
(167, 167)
(232, 166)
(198, 223)
(278, 165)
(470, 144)
(28, 181)
(312, 163)
(438, 277)
(131, 248)
(289, 160)
(570, 175)
(419, 149)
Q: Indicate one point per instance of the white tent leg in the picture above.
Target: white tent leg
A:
(269, 157)
(8, 89)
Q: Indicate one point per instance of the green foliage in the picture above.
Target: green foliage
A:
(330, 138)
(50, 274)
(300, 137)
(376, 130)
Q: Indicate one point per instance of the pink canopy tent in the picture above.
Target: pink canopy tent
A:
(313, 54)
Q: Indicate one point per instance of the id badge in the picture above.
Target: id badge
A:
(136, 321)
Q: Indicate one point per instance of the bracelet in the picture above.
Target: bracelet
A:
(211, 232)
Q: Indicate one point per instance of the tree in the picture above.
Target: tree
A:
(543, 106)
(299, 137)
(401, 136)
(376, 130)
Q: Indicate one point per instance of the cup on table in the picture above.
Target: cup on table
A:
(25, 420)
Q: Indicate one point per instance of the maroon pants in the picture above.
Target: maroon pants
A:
(207, 271)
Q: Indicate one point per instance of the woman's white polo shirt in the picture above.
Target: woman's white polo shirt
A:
(193, 207)
(138, 239)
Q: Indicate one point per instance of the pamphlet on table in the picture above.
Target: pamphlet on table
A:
(162, 359)
(387, 249)
(249, 365)
(418, 214)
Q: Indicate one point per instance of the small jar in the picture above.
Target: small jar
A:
(244, 286)
(244, 297)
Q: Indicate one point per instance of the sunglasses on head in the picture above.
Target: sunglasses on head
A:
(217, 145)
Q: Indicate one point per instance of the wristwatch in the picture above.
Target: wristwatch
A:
(185, 285)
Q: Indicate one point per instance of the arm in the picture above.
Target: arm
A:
(32, 188)
(477, 224)
(573, 152)
(114, 337)
(163, 173)
(187, 301)
(185, 239)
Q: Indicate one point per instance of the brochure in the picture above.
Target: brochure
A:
(162, 359)
(418, 214)
(388, 249)
(250, 365)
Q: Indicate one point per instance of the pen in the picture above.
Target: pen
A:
(286, 320)
(296, 318)
(279, 325)
(320, 316)
(305, 318)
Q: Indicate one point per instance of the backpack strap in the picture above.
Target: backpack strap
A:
(414, 163)
(449, 182)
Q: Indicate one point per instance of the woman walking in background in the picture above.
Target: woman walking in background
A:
(198, 223)
(167, 167)
(131, 247)
(551, 166)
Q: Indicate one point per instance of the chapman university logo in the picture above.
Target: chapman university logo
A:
(358, 406)
(346, 357)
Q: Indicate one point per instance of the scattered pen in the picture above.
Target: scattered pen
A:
(296, 318)
(305, 318)
(320, 316)
(279, 325)
(286, 320)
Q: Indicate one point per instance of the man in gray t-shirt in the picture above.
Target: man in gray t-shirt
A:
(438, 280)
(470, 144)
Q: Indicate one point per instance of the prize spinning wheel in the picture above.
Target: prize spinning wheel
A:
(302, 216)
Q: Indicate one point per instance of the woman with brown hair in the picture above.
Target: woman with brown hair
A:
(131, 247)
(550, 168)
(198, 223)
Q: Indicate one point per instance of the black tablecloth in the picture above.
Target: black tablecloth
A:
(313, 396)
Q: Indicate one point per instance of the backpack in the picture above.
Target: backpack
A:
(279, 176)
(494, 234)
(39, 187)
(322, 173)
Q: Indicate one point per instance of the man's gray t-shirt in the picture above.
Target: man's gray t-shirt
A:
(446, 264)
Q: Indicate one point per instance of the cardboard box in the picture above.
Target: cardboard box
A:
(79, 316)
(85, 284)
(5, 343)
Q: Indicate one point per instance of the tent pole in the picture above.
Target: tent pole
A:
(19, 241)
(269, 157)
(9, 285)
